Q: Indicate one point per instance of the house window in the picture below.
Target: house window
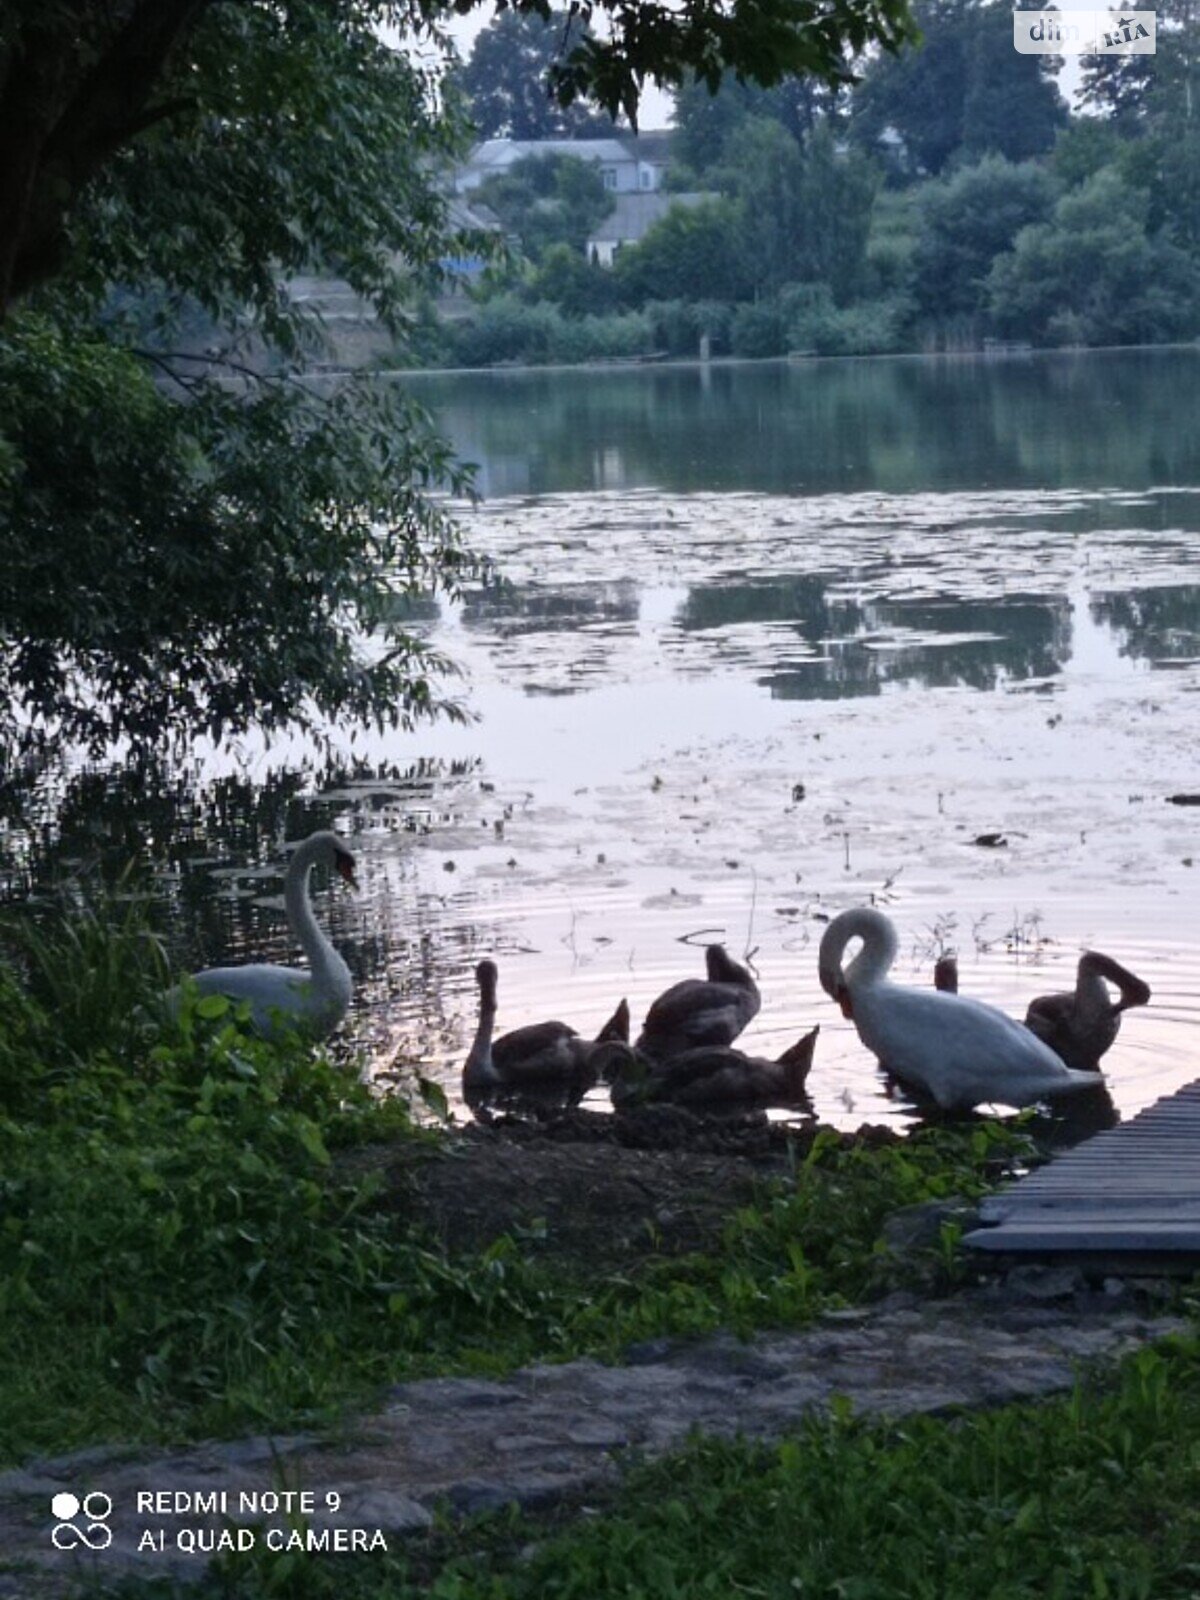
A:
(610, 177)
(647, 178)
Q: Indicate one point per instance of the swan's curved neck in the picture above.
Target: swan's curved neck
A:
(478, 1066)
(327, 966)
(872, 962)
(1094, 969)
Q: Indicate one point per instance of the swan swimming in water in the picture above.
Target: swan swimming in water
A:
(700, 1012)
(544, 1054)
(283, 998)
(1081, 1026)
(958, 1051)
(713, 1075)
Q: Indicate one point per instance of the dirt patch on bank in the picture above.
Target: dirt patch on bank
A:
(590, 1187)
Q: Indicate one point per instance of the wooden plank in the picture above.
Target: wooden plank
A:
(1082, 1215)
(1143, 1238)
(1168, 1204)
(1168, 1174)
(1130, 1190)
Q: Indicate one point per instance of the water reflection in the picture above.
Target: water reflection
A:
(1161, 625)
(903, 425)
(859, 648)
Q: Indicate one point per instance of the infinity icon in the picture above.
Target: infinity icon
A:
(68, 1535)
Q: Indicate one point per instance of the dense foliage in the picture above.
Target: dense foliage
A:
(546, 201)
(964, 93)
(194, 542)
(208, 566)
(945, 199)
(507, 72)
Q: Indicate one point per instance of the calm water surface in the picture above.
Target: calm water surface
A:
(777, 640)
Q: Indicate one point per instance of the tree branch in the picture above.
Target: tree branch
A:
(61, 121)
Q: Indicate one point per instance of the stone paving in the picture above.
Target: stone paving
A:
(550, 1431)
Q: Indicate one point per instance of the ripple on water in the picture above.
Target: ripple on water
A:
(807, 642)
(728, 716)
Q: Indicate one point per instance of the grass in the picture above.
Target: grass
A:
(1090, 1497)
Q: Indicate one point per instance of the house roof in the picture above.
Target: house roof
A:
(652, 146)
(465, 215)
(633, 215)
(500, 153)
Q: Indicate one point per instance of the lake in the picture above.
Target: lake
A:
(777, 639)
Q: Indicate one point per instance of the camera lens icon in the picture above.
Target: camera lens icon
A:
(81, 1522)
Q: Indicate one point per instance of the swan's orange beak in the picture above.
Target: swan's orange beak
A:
(345, 868)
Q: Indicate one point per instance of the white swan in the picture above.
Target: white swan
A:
(283, 998)
(958, 1051)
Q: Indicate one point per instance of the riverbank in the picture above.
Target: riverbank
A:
(720, 362)
(273, 1281)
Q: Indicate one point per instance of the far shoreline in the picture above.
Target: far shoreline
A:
(674, 363)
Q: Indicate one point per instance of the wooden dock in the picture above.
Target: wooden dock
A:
(1129, 1198)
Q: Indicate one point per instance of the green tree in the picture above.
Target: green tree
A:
(693, 253)
(578, 287)
(1084, 146)
(1091, 275)
(965, 88)
(1160, 158)
(507, 79)
(1011, 105)
(803, 212)
(1163, 87)
(766, 173)
(181, 554)
(705, 122)
(548, 200)
(966, 222)
(81, 80)
(837, 193)
(1152, 107)
(1167, 166)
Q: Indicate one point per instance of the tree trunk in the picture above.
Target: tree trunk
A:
(77, 86)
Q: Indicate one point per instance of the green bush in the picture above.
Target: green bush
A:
(759, 330)
(578, 287)
(810, 318)
(813, 322)
(677, 325)
(1093, 274)
(507, 330)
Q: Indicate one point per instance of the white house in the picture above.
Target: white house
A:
(631, 218)
(633, 164)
